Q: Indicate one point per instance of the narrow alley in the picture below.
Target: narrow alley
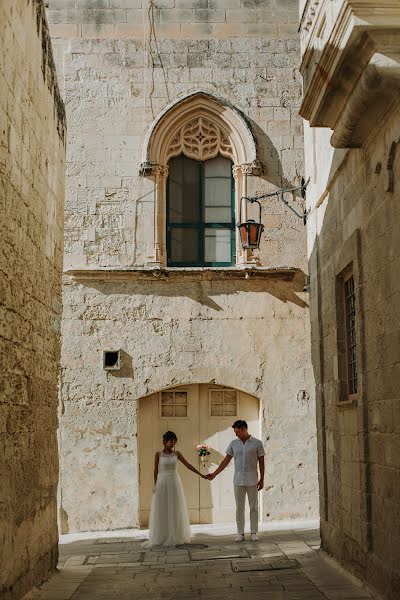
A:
(283, 565)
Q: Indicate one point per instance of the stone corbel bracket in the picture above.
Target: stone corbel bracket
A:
(350, 66)
(377, 88)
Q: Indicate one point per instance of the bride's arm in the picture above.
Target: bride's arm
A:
(156, 461)
(188, 465)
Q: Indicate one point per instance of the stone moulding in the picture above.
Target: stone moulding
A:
(350, 61)
(200, 126)
(222, 117)
(177, 274)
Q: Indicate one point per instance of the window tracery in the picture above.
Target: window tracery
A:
(200, 139)
(200, 127)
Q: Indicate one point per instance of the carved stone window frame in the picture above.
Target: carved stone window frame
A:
(200, 126)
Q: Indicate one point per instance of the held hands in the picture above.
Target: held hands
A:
(210, 476)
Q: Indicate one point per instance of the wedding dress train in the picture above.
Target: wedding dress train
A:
(169, 520)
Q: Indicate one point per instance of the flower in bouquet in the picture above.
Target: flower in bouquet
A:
(203, 450)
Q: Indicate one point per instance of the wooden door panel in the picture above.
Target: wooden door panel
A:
(152, 426)
(217, 502)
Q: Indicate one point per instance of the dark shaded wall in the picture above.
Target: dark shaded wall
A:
(32, 170)
(357, 226)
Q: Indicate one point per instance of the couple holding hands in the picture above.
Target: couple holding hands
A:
(169, 520)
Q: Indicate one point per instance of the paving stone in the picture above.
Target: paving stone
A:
(165, 577)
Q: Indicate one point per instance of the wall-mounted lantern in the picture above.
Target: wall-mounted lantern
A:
(250, 230)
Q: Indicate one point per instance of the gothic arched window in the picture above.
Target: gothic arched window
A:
(199, 152)
(200, 212)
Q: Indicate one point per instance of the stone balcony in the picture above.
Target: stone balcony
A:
(350, 65)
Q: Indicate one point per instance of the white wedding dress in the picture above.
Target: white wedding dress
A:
(169, 520)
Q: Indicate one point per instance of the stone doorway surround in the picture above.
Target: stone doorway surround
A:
(196, 419)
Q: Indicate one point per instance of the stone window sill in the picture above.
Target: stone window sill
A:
(178, 273)
(347, 404)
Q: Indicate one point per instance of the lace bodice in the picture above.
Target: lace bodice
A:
(167, 463)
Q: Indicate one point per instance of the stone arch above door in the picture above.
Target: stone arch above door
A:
(200, 126)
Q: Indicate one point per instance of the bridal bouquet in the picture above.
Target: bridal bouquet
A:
(203, 450)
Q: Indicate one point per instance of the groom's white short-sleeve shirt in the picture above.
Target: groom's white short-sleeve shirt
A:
(246, 457)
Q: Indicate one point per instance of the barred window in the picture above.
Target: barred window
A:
(350, 324)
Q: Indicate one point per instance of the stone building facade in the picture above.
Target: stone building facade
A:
(32, 175)
(144, 83)
(351, 69)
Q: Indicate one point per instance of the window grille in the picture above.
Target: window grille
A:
(223, 403)
(350, 321)
(174, 404)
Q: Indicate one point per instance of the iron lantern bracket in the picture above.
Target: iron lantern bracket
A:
(280, 193)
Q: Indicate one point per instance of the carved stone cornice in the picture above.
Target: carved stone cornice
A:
(339, 46)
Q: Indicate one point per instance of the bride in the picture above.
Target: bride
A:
(169, 520)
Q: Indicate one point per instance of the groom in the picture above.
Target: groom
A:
(247, 452)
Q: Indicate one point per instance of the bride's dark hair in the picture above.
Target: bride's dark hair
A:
(169, 435)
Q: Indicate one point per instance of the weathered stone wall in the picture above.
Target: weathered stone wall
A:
(32, 169)
(250, 335)
(176, 331)
(355, 220)
(351, 105)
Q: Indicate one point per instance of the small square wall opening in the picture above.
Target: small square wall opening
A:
(111, 360)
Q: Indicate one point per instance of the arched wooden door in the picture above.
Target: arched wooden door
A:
(197, 414)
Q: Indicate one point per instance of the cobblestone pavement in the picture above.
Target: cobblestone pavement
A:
(283, 565)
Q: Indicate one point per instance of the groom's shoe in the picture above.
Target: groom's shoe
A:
(239, 537)
(254, 537)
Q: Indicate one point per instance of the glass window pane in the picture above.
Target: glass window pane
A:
(217, 201)
(217, 397)
(184, 190)
(180, 410)
(218, 167)
(184, 245)
(167, 411)
(180, 398)
(230, 410)
(217, 410)
(218, 245)
(230, 397)
(167, 397)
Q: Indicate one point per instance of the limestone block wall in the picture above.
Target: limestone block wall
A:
(355, 220)
(32, 168)
(249, 335)
(122, 65)
(116, 86)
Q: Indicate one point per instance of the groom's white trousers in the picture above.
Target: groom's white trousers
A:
(240, 497)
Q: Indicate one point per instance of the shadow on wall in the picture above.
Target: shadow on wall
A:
(356, 234)
(283, 287)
